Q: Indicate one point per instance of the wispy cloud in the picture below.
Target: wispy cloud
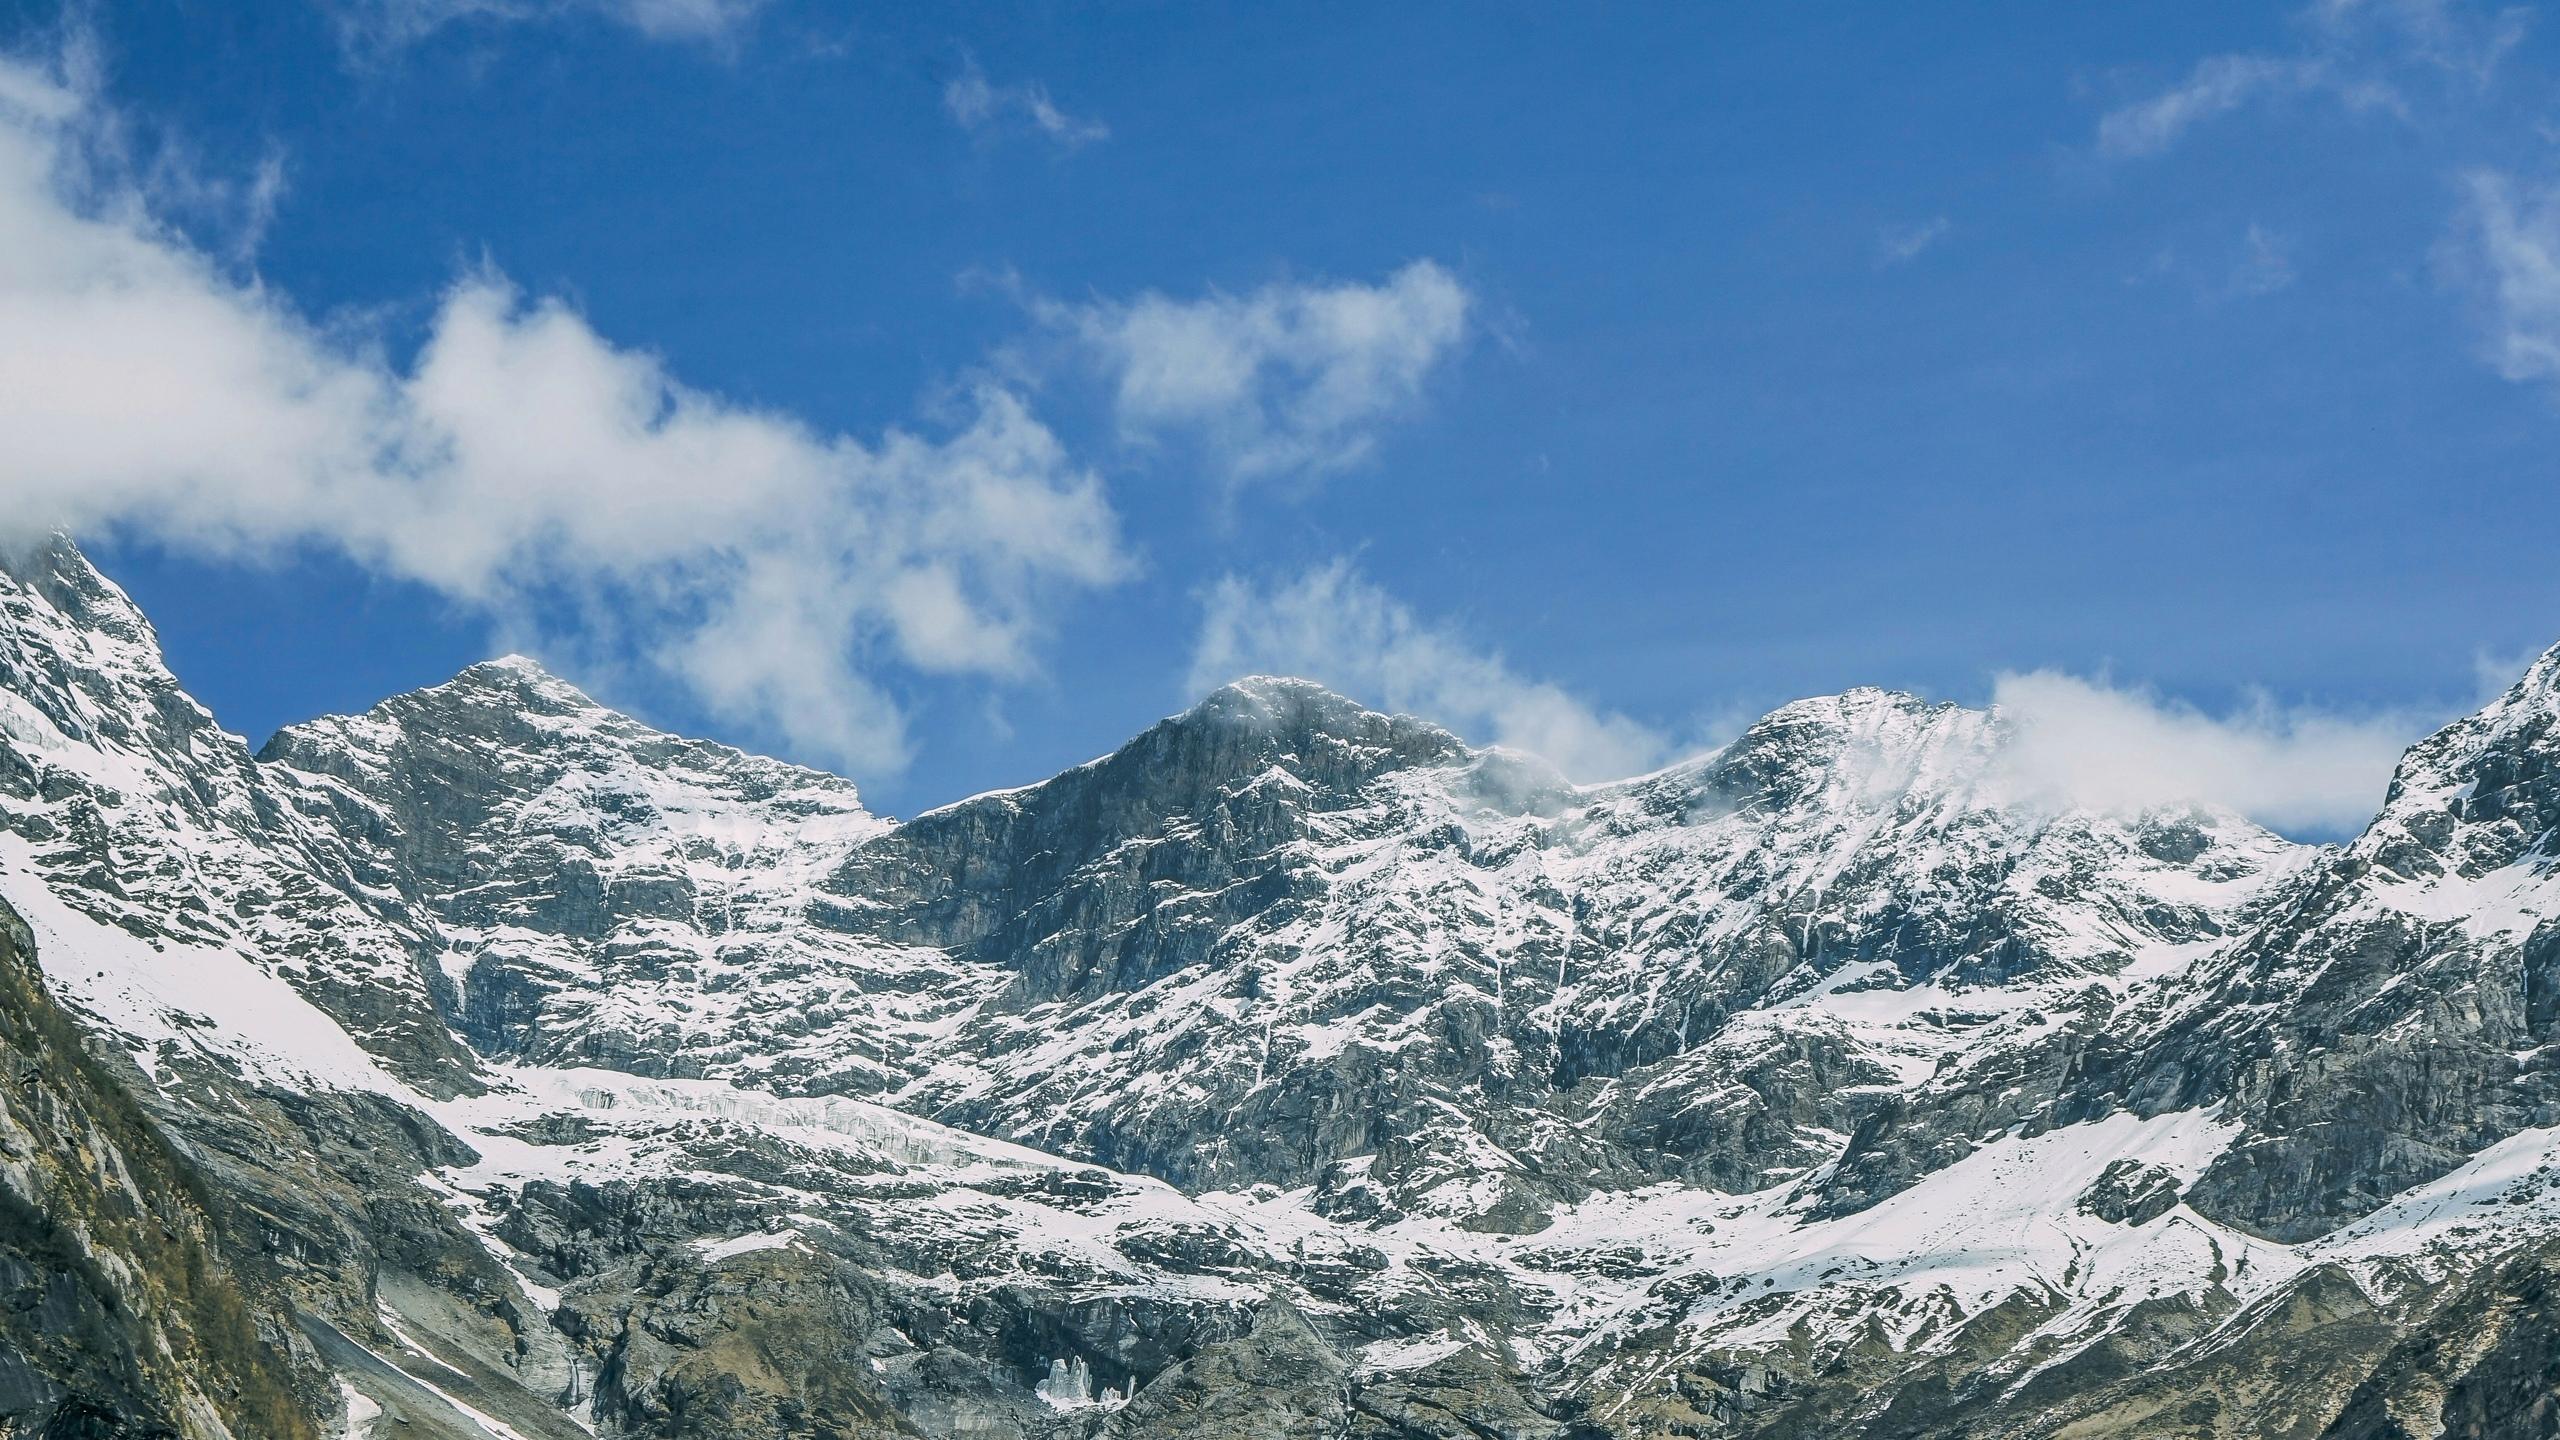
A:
(1294, 379)
(985, 108)
(2093, 745)
(2218, 85)
(2265, 265)
(227, 209)
(375, 26)
(520, 463)
(1902, 244)
(1332, 626)
(2506, 253)
(2464, 40)
(2360, 54)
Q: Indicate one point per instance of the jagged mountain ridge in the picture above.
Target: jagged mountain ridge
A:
(1807, 1081)
(1400, 943)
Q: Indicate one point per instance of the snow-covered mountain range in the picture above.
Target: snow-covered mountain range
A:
(511, 1069)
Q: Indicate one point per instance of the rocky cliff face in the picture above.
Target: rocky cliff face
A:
(123, 1310)
(2396, 1015)
(1300, 1070)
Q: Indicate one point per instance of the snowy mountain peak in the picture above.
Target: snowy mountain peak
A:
(75, 649)
(2480, 794)
(1292, 714)
(55, 569)
(1861, 748)
(515, 726)
(525, 678)
(1276, 691)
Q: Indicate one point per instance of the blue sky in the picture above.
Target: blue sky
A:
(1587, 377)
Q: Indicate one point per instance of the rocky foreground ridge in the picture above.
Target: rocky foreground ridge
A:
(490, 1065)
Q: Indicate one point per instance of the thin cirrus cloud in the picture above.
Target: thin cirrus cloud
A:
(2265, 265)
(519, 463)
(1902, 244)
(387, 25)
(984, 108)
(2506, 252)
(2218, 85)
(1294, 380)
(1331, 625)
(2364, 55)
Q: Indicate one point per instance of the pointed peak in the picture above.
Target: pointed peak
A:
(1286, 705)
(1273, 700)
(2493, 765)
(2540, 682)
(523, 678)
(1801, 748)
(1853, 706)
(1867, 713)
(1277, 689)
(53, 568)
(2531, 703)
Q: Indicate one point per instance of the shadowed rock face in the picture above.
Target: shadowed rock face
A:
(537, 1069)
(122, 1311)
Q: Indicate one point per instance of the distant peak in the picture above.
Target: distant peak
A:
(1279, 684)
(1280, 715)
(1861, 708)
(523, 679)
(1292, 703)
(1264, 696)
(1803, 748)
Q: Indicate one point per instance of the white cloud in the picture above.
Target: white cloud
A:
(2218, 85)
(2087, 743)
(520, 463)
(985, 108)
(1334, 627)
(1293, 379)
(2507, 251)
(1902, 244)
(384, 25)
(2465, 40)
(2361, 54)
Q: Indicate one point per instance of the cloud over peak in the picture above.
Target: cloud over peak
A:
(1331, 625)
(521, 464)
(2092, 745)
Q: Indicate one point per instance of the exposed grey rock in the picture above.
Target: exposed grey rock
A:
(2131, 1192)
